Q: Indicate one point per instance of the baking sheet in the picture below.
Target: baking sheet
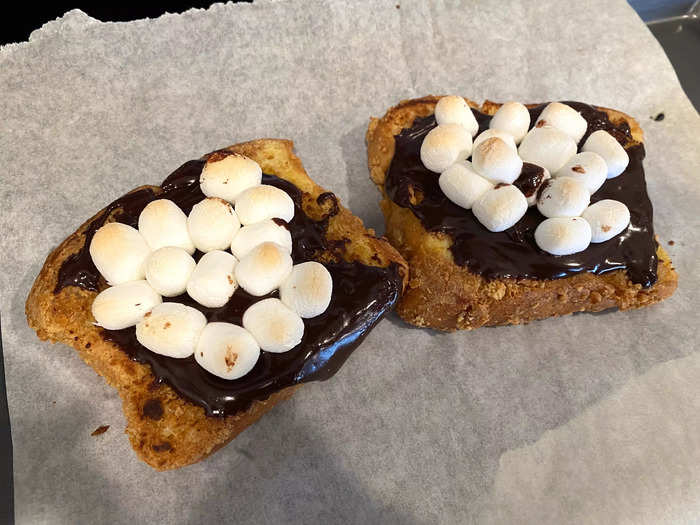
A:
(588, 418)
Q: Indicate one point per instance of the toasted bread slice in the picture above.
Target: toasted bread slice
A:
(444, 295)
(166, 430)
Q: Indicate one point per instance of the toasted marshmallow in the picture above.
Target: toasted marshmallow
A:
(124, 305)
(564, 118)
(212, 223)
(490, 133)
(495, 160)
(445, 145)
(263, 269)
(264, 202)
(257, 233)
(605, 145)
(547, 147)
(119, 253)
(462, 185)
(226, 350)
(163, 223)
(607, 218)
(563, 235)
(308, 289)
(228, 176)
(274, 326)
(530, 181)
(500, 208)
(512, 118)
(213, 280)
(563, 197)
(168, 269)
(587, 167)
(455, 110)
(171, 329)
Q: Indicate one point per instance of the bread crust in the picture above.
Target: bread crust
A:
(446, 296)
(165, 430)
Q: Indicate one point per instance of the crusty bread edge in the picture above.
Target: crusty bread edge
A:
(165, 430)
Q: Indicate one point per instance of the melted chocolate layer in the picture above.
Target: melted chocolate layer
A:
(513, 253)
(361, 296)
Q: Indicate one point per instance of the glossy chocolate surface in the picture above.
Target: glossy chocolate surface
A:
(513, 253)
(361, 296)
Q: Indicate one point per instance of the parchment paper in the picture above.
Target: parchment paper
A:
(587, 418)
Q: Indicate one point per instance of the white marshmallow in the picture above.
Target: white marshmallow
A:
(257, 233)
(455, 110)
(547, 147)
(171, 329)
(563, 235)
(274, 326)
(512, 118)
(586, 167)
(445, 145)
(212, 223)
(228, 176)
(308, 289)
(495, 160)
(263, 269)
(500, 208)
(264, 202)
(532, 197)
(563, 197)
(490, 133)
(213, 281)
(163, 223)
(462, 185)
(607, 218)
(226, 350)
(124, 305)
(564, 118)
(168, 269)
(119, 253)
(605, 145)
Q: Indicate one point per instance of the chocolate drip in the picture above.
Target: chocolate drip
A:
(361, 296)
(513, 253)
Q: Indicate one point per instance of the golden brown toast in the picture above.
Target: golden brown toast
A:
(166, 430)
(444, 295)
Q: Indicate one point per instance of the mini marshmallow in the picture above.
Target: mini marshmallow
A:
(564, 118)
(563, 197)
(607, 218)
(264, 202)
(163, 223)
(212, 223)
(462, 185)
(563, 235)
(263, 269)
(445, 145)
(587, 167)
(496, 161)
(168, 269)
(119, 253)
(308, 289)
(229, 175)
(171, 329)
(274, 326)
(124, 305)
(455, 110)
(490, 133)
(512, 118)
(605, 145)
(213, 280)
(530, 181)
(226, 350)
(500, 208)
(255, 234)
(547, 147)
